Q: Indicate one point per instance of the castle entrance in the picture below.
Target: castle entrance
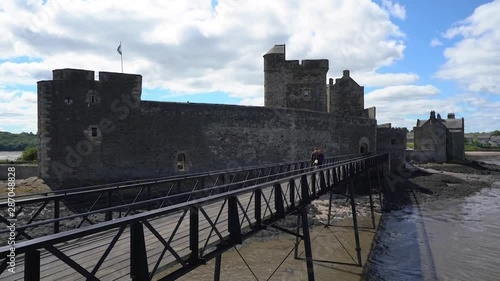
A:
(363, 145)
(363, 148)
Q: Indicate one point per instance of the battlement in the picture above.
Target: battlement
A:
(275, 58)
(115, 76)
(72, 74)
(388, 126)
(307, 64)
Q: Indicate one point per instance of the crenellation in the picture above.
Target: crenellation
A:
(73, 74)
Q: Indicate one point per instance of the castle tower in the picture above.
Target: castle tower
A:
(294, 84)
(346, 97)
(75, 113)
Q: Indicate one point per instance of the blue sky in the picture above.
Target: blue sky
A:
(412, 56)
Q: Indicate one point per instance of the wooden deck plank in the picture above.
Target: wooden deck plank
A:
(87, 251)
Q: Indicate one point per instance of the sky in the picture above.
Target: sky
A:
(412, 56)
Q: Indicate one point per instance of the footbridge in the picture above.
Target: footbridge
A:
(163, 228)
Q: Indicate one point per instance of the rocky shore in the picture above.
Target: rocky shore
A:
(416, 184)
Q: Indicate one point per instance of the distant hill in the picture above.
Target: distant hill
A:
(17, 142)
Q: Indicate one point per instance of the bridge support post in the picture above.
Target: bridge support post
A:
(322, 182)
(32, 266)
(56, 215)
(379, 187)
(218, 259)
(296, 250)
(109, 214)
(355, 220)
(328, 182)
(330, 208)
(138, 257)
(304, 190)
(278, 201)
(148, 192)
(194, 235)
(371, 196)
(307, 244)
(291, 185)
(313, 184)
(258, 208)
(233, 222)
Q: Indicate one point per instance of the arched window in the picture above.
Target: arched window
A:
(181, 162)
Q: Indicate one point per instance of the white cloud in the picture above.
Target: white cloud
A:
(395, 103)
(188, 47)
(474, 61)
(19, 109)
(374, 79)
(436, 42)
(396, 10)
(401, 92)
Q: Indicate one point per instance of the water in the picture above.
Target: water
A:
(10, 155)
(490, 157)
(454, 239)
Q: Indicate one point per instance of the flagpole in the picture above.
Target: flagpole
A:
(121, 55)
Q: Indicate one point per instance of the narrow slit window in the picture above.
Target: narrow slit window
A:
(93, 131)
(181, 162)
(92, 99)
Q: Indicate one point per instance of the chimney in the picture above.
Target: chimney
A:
(451, 115)
(346, 74)
(433, 115)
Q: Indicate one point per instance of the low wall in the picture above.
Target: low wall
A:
(23, 171)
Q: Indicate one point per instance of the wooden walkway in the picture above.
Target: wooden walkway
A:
(88, 250)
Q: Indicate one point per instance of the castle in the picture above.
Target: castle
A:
(94, 131)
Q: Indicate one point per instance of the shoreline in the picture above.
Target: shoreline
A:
(421, 183)
(415, 185)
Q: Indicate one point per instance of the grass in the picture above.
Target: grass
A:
(475, 147)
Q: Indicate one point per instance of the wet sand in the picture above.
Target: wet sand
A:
(335, 245)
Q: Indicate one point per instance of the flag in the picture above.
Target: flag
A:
(119, 49)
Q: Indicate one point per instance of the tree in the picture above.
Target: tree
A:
(30, 154)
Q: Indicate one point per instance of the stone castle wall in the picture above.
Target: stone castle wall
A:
(100, 131)
(393, 141)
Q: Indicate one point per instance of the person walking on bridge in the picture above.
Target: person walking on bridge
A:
(317, 157)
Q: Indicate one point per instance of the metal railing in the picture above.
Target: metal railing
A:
(216, 222)
(56, 211)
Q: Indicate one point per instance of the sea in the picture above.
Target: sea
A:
(449, 240)
(10, 155)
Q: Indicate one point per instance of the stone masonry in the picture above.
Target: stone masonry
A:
(97, 131)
